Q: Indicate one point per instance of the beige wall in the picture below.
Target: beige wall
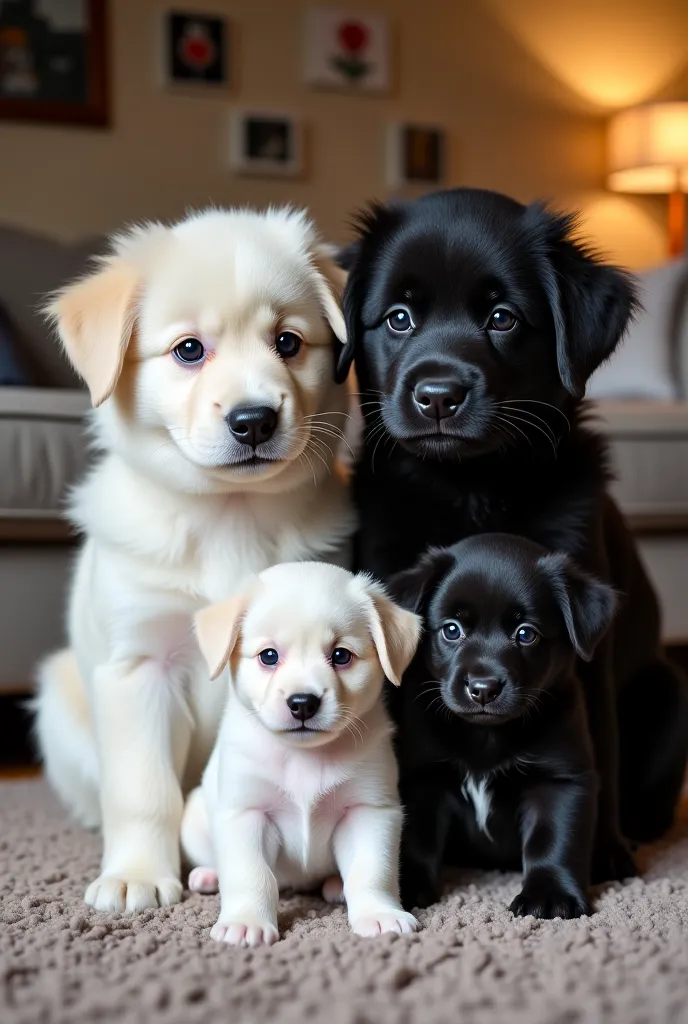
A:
(522, 86)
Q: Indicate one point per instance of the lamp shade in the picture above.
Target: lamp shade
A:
(648, 148)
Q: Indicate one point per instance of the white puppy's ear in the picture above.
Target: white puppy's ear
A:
(217, 631)
(330, 280)
(395, 631)
(95, 320)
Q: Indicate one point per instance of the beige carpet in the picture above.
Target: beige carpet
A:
(473, 963)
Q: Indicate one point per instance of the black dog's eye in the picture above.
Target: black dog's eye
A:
(452, 631)
(189, 351)
(502, 320)
(399, 320)
(526, 636)
(269, 656)
(340, 657)
(287, 344)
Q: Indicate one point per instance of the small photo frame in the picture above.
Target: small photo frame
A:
(266, 143)
(196, 49)
(347, 50)
(415, 155)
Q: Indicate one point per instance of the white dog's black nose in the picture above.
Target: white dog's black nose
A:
(438, 399)
(303, 705)
(252, 424)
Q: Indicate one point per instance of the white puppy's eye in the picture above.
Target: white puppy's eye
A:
(452, 631)
(399, 319)
(189, 351)
(268, 657)
(341, 657)
(288, 344)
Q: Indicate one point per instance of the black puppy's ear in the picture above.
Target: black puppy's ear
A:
(592, 302)
(348, 254)
(412, 587)
(587, 604)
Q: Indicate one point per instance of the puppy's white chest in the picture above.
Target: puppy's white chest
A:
(476, 789)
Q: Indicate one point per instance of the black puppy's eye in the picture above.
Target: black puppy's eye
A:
(502, 320)
(452, 631)
(287, 344)
(340, 657)
(399, 320)
(269, 656)
(526, 636)
(189, 351)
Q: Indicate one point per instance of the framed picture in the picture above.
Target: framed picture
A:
(347, 51)
(54, 61)
(266, 143)
(415, 155)
(196, 49)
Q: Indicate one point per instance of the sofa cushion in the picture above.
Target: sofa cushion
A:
(649, 450)
(31, 267)
(42, 447)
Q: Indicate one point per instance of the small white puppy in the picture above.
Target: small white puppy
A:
(302, 782)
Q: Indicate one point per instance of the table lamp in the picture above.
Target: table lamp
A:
(648, 152)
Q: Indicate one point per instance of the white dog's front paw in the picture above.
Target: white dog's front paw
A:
(203, 880)
(385, 921)
(133, 894)
(244, 933)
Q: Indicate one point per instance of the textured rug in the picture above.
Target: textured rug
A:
(62, 963)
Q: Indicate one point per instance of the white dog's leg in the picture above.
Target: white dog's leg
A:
(64, 732)
(197, 844)
(143, 729)
(248, 887)
(366, 846)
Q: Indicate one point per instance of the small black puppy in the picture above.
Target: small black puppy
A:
(496, 762)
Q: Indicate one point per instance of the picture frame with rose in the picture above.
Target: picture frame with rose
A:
(348, 51)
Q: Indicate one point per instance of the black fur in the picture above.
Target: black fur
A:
(516, 455)
(528, 750)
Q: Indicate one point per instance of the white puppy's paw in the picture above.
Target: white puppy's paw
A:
(333, 890)
(244, 933)
(203, 880)
(132, 895)
(385, 921)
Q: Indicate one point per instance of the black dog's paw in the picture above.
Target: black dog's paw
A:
(418, 890)
(612, 861)
(544, 896)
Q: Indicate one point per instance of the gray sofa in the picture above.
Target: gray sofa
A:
(43, 451)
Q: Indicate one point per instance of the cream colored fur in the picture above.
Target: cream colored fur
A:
(127, 717)
(281, 806)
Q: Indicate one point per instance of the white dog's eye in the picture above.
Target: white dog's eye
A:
(340, 657)
(287, 344)
(452, 631)
(399, 319)
(269, 656)
(189, 351)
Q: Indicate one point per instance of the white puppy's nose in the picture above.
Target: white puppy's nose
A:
(252, 424)
(303, 705)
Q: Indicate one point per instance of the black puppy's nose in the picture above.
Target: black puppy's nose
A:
(484, 691)
(303, 705)
(438, 399)
(252, 424)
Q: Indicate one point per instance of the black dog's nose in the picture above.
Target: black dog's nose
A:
(303, 705)
(438, 399)
(252, 424)
(484, 691)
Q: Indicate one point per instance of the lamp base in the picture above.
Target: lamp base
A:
(677, 222)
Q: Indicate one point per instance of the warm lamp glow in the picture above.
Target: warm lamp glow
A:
(648, 149)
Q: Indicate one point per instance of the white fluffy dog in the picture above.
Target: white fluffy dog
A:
(302, 782)
(208, 349)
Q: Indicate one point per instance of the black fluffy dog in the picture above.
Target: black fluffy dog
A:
(493, 743)
(475, 323)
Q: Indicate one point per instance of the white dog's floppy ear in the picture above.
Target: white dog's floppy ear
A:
(217, 631)
(395, 631)
(95, 319)
(330, 281)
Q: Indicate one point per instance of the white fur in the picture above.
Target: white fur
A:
(127, 718)
(478, 790)
(279, 808)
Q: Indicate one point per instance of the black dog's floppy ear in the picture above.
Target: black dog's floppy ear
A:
(587, 604)
(592, 302)
(411, 587)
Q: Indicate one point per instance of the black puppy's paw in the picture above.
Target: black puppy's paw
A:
(612, 861)
(544, 896)
(418, 889)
